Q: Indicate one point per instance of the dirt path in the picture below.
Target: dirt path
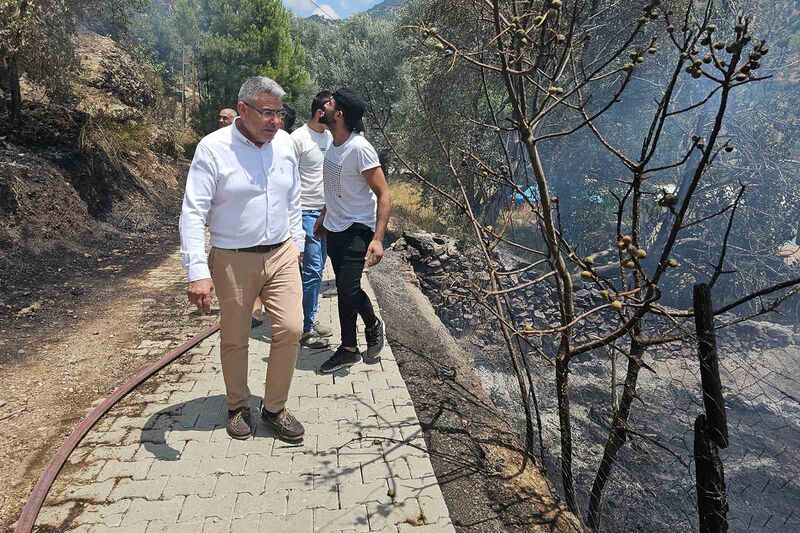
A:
(58, 362)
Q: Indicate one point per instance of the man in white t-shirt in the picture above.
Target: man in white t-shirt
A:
(311, 141)
(357, 207)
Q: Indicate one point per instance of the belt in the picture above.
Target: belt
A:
(261, 248)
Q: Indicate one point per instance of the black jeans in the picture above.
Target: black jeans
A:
(347, 250)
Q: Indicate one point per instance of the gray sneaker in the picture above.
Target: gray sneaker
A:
(322, 331)
(312, 339)
(330, 293)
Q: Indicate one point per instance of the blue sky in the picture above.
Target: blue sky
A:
(332, 8)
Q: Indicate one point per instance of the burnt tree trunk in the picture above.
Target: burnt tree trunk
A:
(711, 428)
(16, 92)
(713, 401)
(712, 500)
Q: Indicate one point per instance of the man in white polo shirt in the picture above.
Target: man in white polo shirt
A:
(357, 207)
(311, 141)
(244, 181)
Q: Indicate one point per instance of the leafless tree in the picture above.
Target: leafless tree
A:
(545, 81)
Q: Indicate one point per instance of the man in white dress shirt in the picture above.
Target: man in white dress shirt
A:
(244, 180)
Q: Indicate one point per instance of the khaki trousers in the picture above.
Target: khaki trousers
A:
(238, 278)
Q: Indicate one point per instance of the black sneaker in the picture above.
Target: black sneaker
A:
(240, 423)
(340, 359)
(285, 425)
(375, 342)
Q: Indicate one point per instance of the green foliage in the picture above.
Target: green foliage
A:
(35, 37)
(371, 56)
(152, 34)
(110, 17)
(239, 39)
(186, 22)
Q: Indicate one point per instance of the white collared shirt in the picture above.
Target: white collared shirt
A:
(248, 195)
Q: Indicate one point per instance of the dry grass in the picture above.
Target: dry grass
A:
(520, 225)
(113, 137)
(408, 211)
(116, 139)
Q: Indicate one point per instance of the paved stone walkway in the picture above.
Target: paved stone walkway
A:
(161, 460)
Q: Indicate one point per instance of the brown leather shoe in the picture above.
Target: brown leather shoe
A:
(240, 423)
(285, 424)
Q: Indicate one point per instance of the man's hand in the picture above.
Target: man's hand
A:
(374, 253)
(200, 292)
(300, 260)
(319, 229)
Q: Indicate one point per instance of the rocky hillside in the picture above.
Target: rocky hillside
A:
(387, 9)
(652, 488)
(84, 177)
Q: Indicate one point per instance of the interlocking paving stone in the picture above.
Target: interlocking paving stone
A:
(149, 489)
(144, 510)
(443, 526)
(373, 491)
(248, 523)
(96, 492)
(109, 515)
(196, 507)
(267, 463)
(270, 501)
(53, 515)
(387, 514)
(297, 523)
(312, 499)
(252, 483)
(162, 461)
(185, 486)
(354, 517)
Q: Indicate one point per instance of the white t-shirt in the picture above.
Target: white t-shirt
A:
(310, 147)
(348, 198)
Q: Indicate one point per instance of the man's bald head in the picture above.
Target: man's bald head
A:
(226, 117)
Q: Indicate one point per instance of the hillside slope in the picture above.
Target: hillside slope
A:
(385, 10)
(80, 180)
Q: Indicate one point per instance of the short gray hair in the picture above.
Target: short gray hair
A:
(259, 84)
